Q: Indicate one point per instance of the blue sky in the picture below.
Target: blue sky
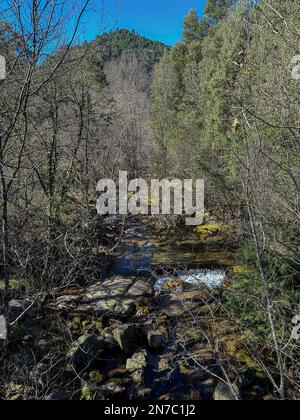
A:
(160, 20)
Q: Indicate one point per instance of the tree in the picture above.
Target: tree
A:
(26, 39)
(191, 26)
(238, 106)
(216, 10)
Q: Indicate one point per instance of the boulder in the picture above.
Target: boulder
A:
(115, 287)
(202, 296)
(136, 366)
(128, 337)
(224, 392)
(66, 303)
(108, 298)
(86, 349)
(141, 288)
(114, 388)
(17, 307)
(173, 307)
(156, 340)
(110, 342)
(176, 309)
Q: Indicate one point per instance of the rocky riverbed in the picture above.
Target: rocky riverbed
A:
(155, 328)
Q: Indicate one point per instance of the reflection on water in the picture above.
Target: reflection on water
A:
(144, 250)
(135, 253)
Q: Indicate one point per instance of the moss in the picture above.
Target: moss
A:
(162, 329)
(209, 230)
(246, 360)
(98, 325)
(14, 284)
(162, 319)
(76, 324)
(144, 307)
(86, 325)
(86, 393)
(96, 376)
(241, 270)
(142, 310)
(15, 387)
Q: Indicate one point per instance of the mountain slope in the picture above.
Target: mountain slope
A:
(112, 45)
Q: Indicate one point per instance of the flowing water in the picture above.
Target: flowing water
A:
(212, 278)
(144, 251)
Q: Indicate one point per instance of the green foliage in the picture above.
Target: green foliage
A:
(191, 26)
(112, 45)
(246, 295)
(218, 9)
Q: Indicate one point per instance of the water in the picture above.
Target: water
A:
(142, 250)
(212, 278)
(135, 253)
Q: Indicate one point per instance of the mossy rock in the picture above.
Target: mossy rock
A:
(92, 325)
(144, 307)
(79, 326)
(240, 270)
(162, 319)
(128, 337)
(96, 376)
(245, 359)
(86, 349)
(136, 366)
(86, 392)
(212, 229)
(76, 324)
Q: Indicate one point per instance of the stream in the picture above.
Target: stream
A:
(158, 315)
(175, 267)
(143, 251)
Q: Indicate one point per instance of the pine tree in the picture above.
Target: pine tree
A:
(191, 26)
(216, 10)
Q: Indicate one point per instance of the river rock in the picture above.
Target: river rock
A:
(136, 366)
(224, 392)
(128, 337)
(163, 363)
(110, 342)
(156, 340)
(109, 298)
(141, 288)
(66, 303)
(86, 349)
(112, 288)
(114, 388)
(17, 307)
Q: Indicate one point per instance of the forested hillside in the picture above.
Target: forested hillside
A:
(113, 44)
